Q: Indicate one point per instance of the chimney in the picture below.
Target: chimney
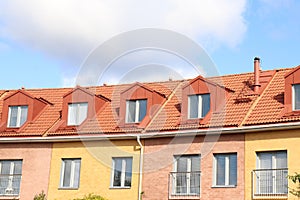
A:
(256, 85)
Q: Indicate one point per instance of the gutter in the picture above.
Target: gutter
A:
(101, 136)
(138, 139)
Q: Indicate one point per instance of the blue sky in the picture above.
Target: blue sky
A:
(44, 43)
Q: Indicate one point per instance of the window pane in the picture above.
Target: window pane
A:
(265, 180)
(195, 160)
(117, 172)
(82, 113)
(195, 175)
(76, 173)
(67, 173)
(187, 176)
(232, 169)
(10, 177)
(5, 167)
(128, 172)
(182, 164)
(23, 117)
(193, 106)
(130, 112)
(13, 116)
(205, 104)
(77, 113)
(281, 160)
(18, 167)
(220, 159)
(265, 160)
(142, 109)
(195, 183)
(72, 113)
(297, 97)
(280, 175)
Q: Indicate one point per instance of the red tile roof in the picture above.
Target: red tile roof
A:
(243, 107)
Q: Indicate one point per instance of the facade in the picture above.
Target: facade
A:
(92, 163)
(226, 137)
(24, 169)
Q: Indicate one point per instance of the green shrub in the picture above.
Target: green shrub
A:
(296, 180)
(41, 196)
(91, 197)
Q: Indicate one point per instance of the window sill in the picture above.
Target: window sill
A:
(270, 196)
(115, 187)
(223, 186)
(184, 196)
(68, 188)
(8, 197)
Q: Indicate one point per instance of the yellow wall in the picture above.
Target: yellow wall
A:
(95, 172)
(271, 141)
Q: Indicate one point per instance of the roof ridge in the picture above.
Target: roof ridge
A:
(248, 73)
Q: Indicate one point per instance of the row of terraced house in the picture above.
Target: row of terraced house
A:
(225, 137)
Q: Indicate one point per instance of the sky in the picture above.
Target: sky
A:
(45, 44)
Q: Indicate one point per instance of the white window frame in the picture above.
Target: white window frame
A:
(199, 108)
(9, 189)
(137, 110)
(227, 169)
(188, 171)
(273, 163)
(293, 96)
(77, 122)
(19, 114)
(123, 172)
(72, 174)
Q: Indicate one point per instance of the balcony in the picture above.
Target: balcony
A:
(270, 183)
(184, 185)
(10, 185)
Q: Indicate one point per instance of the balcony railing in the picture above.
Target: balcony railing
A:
(270, 183)
(184, 185)
(10, 185)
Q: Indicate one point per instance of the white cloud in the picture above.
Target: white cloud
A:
(72, 27)
(68, 30)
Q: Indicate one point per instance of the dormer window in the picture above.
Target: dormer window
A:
(136, 110)
(77, 113)
(17, 116)
(198, 105)
(296, 97)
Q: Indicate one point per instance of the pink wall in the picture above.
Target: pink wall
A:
(35, 167)
(158, 163)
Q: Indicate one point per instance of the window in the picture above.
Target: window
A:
(186, 178)
(198, 105)
(10, 177)
(121, 172)
(77, 113)
(70, 173)
(296, 97)
(17, 116)
(271, 173)
(225, 169)
(135, 110)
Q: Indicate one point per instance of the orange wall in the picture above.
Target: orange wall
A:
(288, 140)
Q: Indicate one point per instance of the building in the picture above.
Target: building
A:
(226, 137)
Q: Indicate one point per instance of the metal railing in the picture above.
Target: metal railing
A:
(184, 185)
(10, 185)
(270, 183)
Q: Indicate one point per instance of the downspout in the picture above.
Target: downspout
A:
(138, 139)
